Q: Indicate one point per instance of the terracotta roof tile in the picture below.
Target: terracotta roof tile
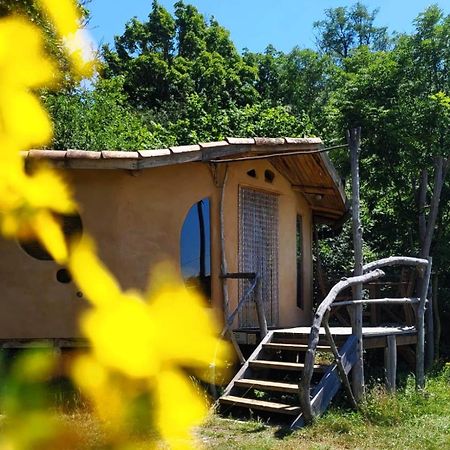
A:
(213, 144)
(185, 148)
(269, 141)
(232, 140)
(83, 154)
(107, 154)
(303, 140)
(47, 154)
(153, 153)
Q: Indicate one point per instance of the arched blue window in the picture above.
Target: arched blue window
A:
(195, 248)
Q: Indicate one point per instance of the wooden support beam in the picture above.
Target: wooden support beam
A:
(236, 346)
(395, 261)
(420, 349)
(224, 269)
(354, 143)
(338, 360)
(260, 309)
(390, 362)
(239, 275)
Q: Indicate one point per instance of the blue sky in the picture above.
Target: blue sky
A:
(256, 23)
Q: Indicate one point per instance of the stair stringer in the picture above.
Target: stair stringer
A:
(330, 383)
(240, 374)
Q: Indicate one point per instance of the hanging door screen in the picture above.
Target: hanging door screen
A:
(258, 252)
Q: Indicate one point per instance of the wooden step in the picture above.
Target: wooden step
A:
(294, 347)
(280, 408)
(281, 365)
(264, 385)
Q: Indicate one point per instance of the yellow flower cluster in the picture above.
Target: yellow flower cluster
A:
(146, 344)
(150, 344)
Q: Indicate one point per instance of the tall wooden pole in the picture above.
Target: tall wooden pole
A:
(224, 269)
(420, 348)
(354, 143)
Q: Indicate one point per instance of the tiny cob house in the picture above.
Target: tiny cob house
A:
(251, 202)
(236, 219)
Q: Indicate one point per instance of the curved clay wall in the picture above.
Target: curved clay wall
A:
(136, 219)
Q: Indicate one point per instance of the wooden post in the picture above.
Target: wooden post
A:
(422, 200)
(420, 348)
(354, 142)
(260, 309)
(426, 229)
(437, 318)
(390, 362)
(224, 268)
(338, 359)
(429, 329)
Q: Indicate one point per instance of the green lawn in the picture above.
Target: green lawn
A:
(407, 420)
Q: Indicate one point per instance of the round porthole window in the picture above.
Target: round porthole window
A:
(71, 225)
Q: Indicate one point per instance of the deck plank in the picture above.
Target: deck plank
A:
(265, 385)
(262, 405)
(347, 331)
(281, 365)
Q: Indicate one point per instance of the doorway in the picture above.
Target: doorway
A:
(258, 252)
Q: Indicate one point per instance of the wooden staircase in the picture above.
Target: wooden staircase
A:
(268, 382)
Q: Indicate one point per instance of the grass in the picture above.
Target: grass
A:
(406, 420)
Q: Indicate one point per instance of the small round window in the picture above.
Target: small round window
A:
(71, 226)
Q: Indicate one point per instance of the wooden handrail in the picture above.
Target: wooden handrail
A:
(241, 302)
(372, 272)
(378, 301)
(256, 285)
(239, 275)
(308, 369)
(395, 261)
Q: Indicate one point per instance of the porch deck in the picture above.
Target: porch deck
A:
(373, 337)
(367, 331)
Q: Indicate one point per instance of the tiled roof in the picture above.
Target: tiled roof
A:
(302, 161)
(205, 151)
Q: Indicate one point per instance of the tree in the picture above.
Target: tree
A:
(345, 29)
(99, 119)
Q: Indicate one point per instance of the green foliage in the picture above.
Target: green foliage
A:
(345, 29)
(99, 119)
(196, 124)
(168, 59)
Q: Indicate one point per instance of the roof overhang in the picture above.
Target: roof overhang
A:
(303, 161)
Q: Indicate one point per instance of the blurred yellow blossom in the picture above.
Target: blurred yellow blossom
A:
(23, 66)
(65, 16)
(145, 347)
(27, 204)
(153, 337)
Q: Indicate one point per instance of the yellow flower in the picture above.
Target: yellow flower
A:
(142, 345)
(23, 121)
(65, 16)
(153, 339)
(27, 204)
(107, 394)
(180, 407)
(97, 284)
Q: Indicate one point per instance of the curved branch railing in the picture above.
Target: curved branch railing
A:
(395, 261)
(305, 382)
(372, 271)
